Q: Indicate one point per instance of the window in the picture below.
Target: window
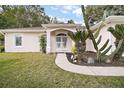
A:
(61, 34)
(18, 40)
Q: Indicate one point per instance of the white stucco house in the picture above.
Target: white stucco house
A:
(27, 39)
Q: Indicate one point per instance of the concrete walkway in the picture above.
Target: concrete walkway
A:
(62, 62)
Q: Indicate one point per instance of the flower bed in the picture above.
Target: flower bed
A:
(88, 54)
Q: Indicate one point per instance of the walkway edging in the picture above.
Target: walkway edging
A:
(62, 62)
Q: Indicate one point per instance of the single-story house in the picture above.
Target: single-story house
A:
(27, 39)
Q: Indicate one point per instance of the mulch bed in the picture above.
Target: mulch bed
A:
(93, 54)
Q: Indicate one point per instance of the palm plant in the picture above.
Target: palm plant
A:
(79, 38)
(118, 33)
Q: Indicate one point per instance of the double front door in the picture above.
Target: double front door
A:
(61, 43)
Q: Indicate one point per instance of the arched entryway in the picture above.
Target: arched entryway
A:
(61, 42)
(58, 41)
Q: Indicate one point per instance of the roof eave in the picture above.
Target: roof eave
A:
(59, 25)
(20, 30)
(109, 20)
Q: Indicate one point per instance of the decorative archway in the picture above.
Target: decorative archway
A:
(58, 41)
(61, 42)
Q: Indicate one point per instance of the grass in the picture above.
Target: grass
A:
(39, 70)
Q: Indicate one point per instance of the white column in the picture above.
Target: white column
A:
(48, 42)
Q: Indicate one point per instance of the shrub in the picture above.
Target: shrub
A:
(74, 50)
(118, 33)
(43, 43)
(1, 48)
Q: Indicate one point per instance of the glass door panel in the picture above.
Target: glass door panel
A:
(64, 42)
(58, 39)
(58, 45)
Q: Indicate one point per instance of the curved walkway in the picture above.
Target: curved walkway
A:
(62, 62)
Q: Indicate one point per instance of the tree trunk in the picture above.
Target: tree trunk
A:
(81, 47)
(85, 16)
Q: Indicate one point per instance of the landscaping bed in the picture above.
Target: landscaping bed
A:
(93, 55)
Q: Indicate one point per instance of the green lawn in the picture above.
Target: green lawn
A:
(39, 70)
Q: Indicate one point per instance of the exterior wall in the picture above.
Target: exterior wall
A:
(53, 40)
(89, 45)
(105, 35)
(30, 42)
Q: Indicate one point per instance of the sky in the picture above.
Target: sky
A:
(65, 12)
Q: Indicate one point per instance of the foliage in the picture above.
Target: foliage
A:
(79, 38)
(70, 22)
(1, 48)
(54, 20)
(117, 54)
(95, 12)
(1, 37)
(101, 53)
(118, 33)
(1, 42)
(3, 22)
(22, 16)
(74, 50)
(96, 34)
(88, 27)
(43, 43)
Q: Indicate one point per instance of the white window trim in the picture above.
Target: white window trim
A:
(14, 40)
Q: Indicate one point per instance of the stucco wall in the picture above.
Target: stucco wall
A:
(105, 35)
(30, 42)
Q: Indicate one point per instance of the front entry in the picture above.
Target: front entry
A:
(61, 42)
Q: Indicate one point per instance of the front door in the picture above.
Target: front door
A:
(61, 43)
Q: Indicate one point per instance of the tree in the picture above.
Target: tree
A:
(37, 15)
(23, 16)
(95, 12)
(79, 38)
(3, 22)
(70, 22)
(54, 20)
